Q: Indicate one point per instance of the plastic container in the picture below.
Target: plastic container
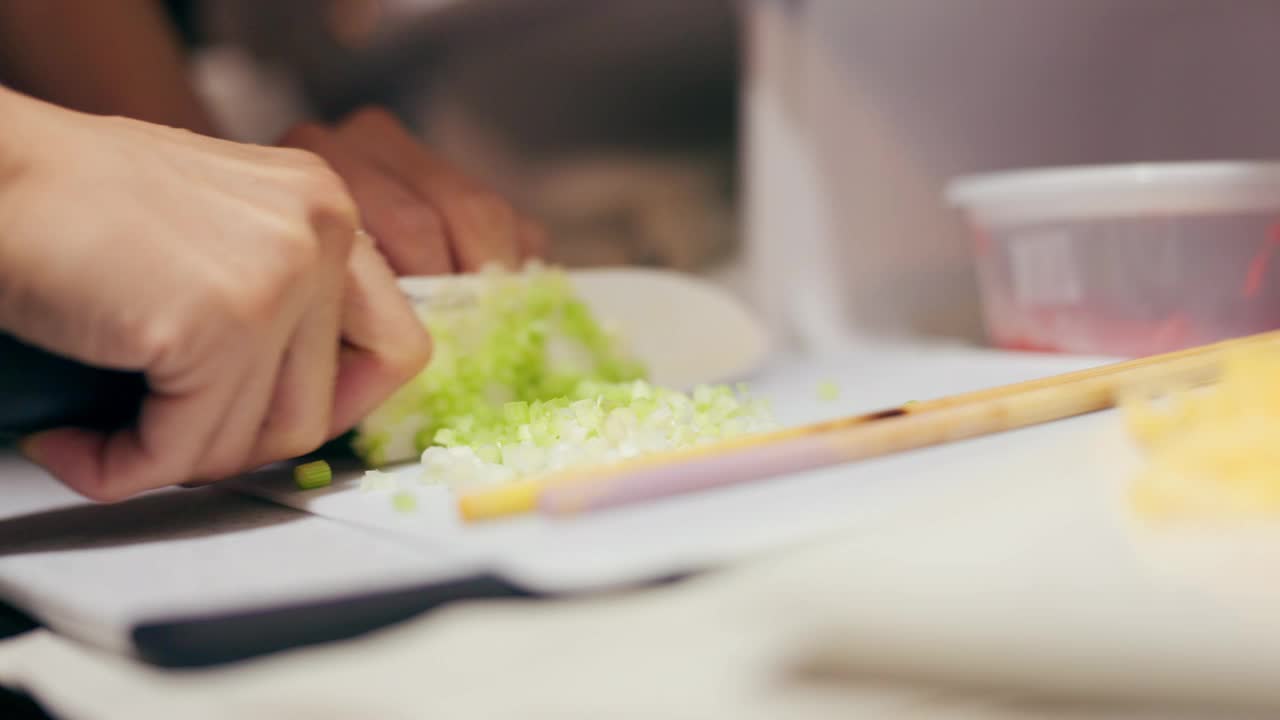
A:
(1125, 260)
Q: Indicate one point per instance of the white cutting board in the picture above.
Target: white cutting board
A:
(686, 330)
(654, 539)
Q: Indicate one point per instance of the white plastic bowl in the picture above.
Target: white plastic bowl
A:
(1125, 260)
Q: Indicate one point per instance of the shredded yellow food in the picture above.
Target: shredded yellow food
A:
(1213, 452)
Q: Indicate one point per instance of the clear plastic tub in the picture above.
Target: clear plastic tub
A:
(1125, 260)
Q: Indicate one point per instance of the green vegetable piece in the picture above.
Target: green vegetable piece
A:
(527, 339)
(404, 501)
(313, 475)
(516, 413)
(828, 391)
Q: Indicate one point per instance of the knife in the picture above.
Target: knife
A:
(41, 390)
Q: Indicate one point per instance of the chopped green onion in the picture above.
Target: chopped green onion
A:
(527, 339)
(404, 501)
(377, 481)
(313, 475)
(828, 391)
(527, 382)
(596, 422)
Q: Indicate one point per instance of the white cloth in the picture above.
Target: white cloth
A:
(732, 646)
(852, 627)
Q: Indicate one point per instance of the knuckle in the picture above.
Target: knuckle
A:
(157, 336)
(247, 300)
(322, 186)
(410, 220)
(326, 197)
(322, 178)
(489, 204)
(319, 186)
(297, 252)
(261, 297)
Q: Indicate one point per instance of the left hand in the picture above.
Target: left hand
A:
(426, 217)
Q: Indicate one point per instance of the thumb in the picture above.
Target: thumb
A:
(69, 454)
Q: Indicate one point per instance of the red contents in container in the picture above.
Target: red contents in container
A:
(981, 241)
(1258, 266)
(1023, 344)
(1078, 330)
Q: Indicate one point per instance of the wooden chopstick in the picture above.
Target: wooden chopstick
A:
(910, 426)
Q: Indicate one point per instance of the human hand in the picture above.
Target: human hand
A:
(232, 276)
(426, 217)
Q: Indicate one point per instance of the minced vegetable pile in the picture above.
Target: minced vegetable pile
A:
(525, 381)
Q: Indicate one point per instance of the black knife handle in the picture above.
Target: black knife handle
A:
(40, 390)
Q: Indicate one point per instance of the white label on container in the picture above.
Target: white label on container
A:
(1043, 270)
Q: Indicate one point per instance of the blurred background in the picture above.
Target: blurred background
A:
(796, 150)
(613, 122)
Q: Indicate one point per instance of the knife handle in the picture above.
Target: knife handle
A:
(40, 390)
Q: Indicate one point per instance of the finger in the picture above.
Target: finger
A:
(73, 456)
(484, 229)
(481, 227)
(302, 400)
(162, 450)
(230, 452)
(385, 344)
(533, 240)
(407, 229)
(301, 404)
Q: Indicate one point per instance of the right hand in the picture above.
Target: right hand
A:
(233, 276)
(429, 217)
